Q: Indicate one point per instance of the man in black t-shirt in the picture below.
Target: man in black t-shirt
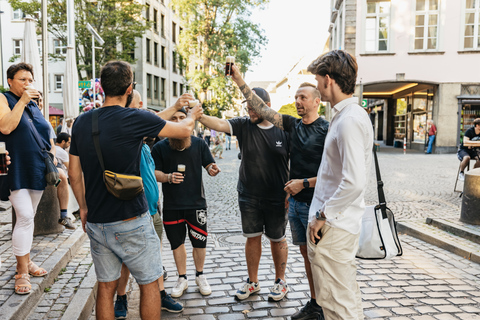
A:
(470, 148)
(119, 230)
(261, 195)
(178, 165)
(307, 138)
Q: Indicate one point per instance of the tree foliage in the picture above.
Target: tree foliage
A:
(213, 30)
(118, 22)
(289, 109)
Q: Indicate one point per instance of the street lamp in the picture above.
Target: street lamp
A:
(95, 36)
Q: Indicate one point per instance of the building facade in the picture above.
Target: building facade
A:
(418, 60)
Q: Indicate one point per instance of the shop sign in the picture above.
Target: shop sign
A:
(84, 84)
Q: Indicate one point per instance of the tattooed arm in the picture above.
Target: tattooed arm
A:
(257, 104)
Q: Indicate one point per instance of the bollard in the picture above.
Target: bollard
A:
(471, 197)
(48, 213)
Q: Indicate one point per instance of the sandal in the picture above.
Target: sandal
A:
(35, 270)
(22, 281)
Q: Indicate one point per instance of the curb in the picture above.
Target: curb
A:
(450, 226)
(82, 303)
(19, 306)
(433, 238)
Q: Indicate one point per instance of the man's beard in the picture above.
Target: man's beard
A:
(259, 120)
(129, 100)
(180, 144)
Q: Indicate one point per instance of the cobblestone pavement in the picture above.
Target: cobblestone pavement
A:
(425, 283)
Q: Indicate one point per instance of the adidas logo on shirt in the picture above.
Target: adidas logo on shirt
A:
(278, 144)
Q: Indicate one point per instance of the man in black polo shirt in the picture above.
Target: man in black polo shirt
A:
(184, 204)
(307, 138)
(261, 194)
(470, 151)
(119, 230)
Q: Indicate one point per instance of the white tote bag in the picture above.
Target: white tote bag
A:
(378, 234)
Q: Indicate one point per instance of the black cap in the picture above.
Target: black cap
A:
(262, 93)
(183, 110)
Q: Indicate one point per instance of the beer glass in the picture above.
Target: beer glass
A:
(193, 103)
(181, 169)
(228, 66)
(3, 159)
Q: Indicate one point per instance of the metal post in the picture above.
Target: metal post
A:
(1, 50)
(93, 69)
(45, 59)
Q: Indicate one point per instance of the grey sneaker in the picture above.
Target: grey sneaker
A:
(203, 285)
(461, 176)
(279, 290)
(67, 223)
(180, 287)
(247, 289)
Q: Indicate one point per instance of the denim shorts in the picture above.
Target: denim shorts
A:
(298, 218)
(262, 215)
(133, 242)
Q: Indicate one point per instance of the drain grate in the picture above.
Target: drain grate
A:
(234, 239)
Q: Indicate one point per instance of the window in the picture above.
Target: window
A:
(155, 20)
(59, 47)
(426, 25)
(155, 53)
(39, 44)
(181, 88)
(174, 61)
(174, 89)
(18, 14)
(149, 86)
(148, 50)
(147, 12)
(164, 57)
(162, 25)
(17, 47)
(472, 25)
(377, 26)
(162, 89)
(174, 32)
(155, 87)
(58, 82)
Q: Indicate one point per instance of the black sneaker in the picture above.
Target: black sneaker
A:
(309, 312)
(171, 305)
(67, 223)
(165, 274)
(121, 307)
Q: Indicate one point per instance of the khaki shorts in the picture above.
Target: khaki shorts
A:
(158, 225)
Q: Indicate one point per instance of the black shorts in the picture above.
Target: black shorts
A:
(176, 223)
(472, 153)
(263, 216)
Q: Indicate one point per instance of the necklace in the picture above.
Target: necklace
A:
(181, 149)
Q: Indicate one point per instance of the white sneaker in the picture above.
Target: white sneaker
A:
(180, 286)
(247, 289)
(203, 285)
(279, 290)
(461, 176)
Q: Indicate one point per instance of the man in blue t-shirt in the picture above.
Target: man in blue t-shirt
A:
(119, 230)
(261, 195)
(307, 138)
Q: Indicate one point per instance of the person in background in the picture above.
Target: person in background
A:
(206, 136)
(469, 149)
(20, 119)
(62, 143)
(218, 148)
(432, 132)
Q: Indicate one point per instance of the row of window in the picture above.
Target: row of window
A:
(158, 92)
(160, 57)
(159, 24)
(59, 47)
(426, 33)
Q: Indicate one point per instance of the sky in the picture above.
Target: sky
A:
(293, 28)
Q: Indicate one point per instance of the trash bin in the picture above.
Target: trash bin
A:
(470, 212)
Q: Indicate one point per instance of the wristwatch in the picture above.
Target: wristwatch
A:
(319, 216)
(306, 184)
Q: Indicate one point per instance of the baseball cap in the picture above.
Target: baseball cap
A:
(182, 110)
(262, 93)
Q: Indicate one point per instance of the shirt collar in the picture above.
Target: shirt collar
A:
(342, 104)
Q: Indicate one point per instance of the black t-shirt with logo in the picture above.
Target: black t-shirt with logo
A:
(190, 193)
(264, 168)
(472, 135)
(306, 149)
(121, 139)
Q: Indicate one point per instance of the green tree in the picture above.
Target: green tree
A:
(289, 109)
(213, 30)
(118, 22)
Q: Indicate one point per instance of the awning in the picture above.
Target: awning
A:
(54, 111)
(393, 89)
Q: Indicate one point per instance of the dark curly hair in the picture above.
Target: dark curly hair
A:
(340, 66)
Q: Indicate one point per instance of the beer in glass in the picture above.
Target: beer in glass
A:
(229, 65)
(3, 159)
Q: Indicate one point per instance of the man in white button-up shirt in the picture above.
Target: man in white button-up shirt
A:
(338, 203)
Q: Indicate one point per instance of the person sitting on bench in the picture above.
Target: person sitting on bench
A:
(470, 148)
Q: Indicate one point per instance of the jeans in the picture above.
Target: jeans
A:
(298, 217)
(430, 143)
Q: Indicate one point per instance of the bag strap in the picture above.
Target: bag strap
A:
(35, 132)
(381, 194)
(95, 134)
